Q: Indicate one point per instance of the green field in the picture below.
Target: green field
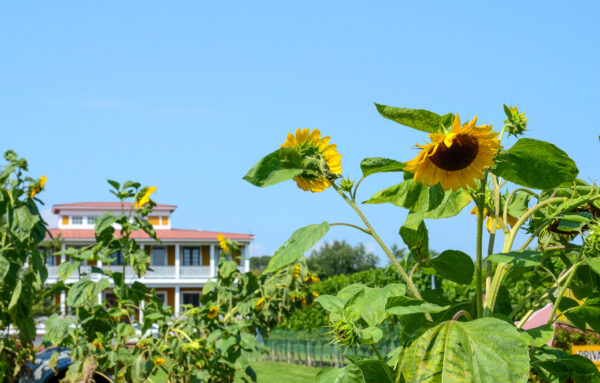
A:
(268, 372)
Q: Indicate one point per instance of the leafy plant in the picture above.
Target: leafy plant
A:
(451, 337)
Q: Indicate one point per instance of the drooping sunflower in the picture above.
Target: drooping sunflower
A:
(145, 198)
(223, 243)
(38, 188)
(310, 144)
(260, 303)
(455, 158)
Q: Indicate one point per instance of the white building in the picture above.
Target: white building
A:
(181, 264)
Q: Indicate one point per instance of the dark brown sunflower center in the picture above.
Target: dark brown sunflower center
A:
(459, 155)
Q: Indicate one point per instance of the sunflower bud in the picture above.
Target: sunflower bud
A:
(344, 333)
(591, 245)
(516, 124)
(347, 185)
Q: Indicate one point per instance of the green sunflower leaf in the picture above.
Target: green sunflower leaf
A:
(281, 165)
(453, 265)
(479, 351)
(299, 243)
(348, 374)
(415, 235)
(535, 164)
(419, 119)
(518, 258)
(374, 165)
(411, 195)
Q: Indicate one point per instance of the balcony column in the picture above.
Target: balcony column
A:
(212, 260)
(142, 307)
(177, 261)
(177, 300)
(63, 295)
(246, 258)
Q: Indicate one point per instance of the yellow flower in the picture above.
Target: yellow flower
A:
(38, 188)
(311, 278)
(456, 158)
(260, 303)
(223, 243)
(296, 272)
(213, 312)
(315, 294)
(159, 361)
(312, 145)
(97, 344)
(488, 224)
(146, 197)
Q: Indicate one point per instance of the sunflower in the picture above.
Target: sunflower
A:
(38, 188)
(145, 198)
(159, 361)
(312, 145)
(511, 220)
(455, 158)
(213, 312)
(260, 303)
(223, 243)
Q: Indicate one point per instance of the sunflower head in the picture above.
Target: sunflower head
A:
(159, 361)
(144, 198)
(455, 158)
(344, 333)
(260, 303)
(223, 243)
(320, 159)
(213, 312)
(516, 124)
(296, 272)
(35, 189)
(97, 344)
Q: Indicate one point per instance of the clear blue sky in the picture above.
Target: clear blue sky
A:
(188, 96)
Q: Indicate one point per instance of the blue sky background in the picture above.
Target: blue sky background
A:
(188, 96)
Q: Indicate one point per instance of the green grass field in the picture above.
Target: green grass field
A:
(268, 372)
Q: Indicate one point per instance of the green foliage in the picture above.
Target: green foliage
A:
(22, 267)
(536, 164)
(419, 119)
(374, 165)
(281, 165)
(337, 257)
(300, 242)
(457, 351)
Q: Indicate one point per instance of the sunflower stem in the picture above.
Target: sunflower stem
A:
(403, 274)
(479, 260)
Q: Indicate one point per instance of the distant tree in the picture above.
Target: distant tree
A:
(258, 264)
(340, 258)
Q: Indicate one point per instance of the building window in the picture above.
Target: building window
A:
(154, 221)
(165, 220)
(158, 256)
(119, 258)
(191, 299)
(191, 256)
(91, 220)
(77, 220)
(162, 296)
(50, 260)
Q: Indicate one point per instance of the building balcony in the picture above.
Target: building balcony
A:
(186, 273)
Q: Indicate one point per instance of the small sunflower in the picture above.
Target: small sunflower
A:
(97, 344)
(488, 224)
(145, 198)
(213, 312)
(311, 145)
(296, 272)
(223, 243)
(159, 361)
(455, 158)
(38, 188)
(260, 303)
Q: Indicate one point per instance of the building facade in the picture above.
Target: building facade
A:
(181, 263)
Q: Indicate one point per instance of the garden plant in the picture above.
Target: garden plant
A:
(530, 188)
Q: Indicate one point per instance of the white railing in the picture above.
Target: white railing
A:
(161, 272)
(158, 272)
(187, 272)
